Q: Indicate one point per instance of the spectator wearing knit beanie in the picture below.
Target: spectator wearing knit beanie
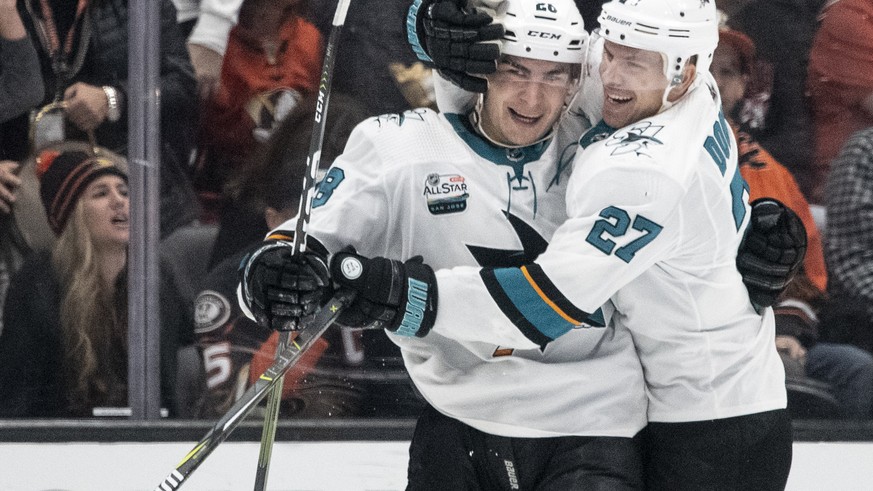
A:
(64, 343)
(64, 176)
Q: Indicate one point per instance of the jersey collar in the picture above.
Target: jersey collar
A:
(513, 157)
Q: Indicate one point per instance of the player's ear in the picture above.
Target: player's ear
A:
(688, 75)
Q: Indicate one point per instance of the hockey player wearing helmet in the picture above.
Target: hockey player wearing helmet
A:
(465, 190)
(655, 76)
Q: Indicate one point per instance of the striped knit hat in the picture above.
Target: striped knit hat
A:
(64, 176)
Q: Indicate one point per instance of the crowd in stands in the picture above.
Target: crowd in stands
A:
(239, 82)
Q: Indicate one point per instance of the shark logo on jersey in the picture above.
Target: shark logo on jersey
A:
(399, 119)
(636, 140)
(532, 243)
(445, 193)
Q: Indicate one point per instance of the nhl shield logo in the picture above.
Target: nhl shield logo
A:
(445, 193)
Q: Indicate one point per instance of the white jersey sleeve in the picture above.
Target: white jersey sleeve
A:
(215, 20)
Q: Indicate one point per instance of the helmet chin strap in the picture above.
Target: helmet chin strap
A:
(476, 119)
(675, 81)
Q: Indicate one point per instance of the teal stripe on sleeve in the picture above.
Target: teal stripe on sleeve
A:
(412, 32)
(530, 304)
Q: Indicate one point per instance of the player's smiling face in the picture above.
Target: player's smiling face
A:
(633, 84)
(525, 98)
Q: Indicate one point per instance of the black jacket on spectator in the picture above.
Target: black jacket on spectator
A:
(106, 63)
(374, 35)
(31, 353)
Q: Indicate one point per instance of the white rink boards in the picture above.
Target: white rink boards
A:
(299, 466)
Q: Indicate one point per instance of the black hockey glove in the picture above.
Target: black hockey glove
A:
(452, 35)
(279, 287)
(400, 297)
(772, 251)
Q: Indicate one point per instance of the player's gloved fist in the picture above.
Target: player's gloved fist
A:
(280, 287)
(453, 36)
(400, 297)
(772, 251)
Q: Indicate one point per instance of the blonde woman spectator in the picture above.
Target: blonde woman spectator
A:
(63, 350)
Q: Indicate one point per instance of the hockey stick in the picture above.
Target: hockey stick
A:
(271, 417)
(286, 359)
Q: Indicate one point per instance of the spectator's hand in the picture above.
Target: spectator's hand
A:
(400, 297)
(87, 105)
(207, 69)
(454, 37)
(279, 287)
(9, 183)
(790, 346)
(772, 251)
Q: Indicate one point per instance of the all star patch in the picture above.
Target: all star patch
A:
(211, 311)
(445, 193)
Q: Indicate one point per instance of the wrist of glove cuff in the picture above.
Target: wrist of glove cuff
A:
(399, 297)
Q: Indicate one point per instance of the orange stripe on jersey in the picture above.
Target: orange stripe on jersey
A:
(546, 299)
(279, 236)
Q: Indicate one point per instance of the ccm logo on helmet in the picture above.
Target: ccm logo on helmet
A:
(546, 7)
(543, 35)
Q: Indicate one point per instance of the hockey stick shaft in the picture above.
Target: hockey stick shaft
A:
(271, 417)
(287, 358)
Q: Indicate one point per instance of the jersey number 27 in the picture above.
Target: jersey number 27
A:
(615, 223)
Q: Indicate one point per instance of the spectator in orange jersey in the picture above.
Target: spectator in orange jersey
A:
(848, 369)
(273, 59)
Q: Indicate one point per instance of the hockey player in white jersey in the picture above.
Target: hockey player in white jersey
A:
(485, 188)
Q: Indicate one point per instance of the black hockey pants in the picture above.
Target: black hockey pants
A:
(745, 453)
(446, 454)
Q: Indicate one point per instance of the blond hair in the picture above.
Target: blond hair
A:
(93, 318)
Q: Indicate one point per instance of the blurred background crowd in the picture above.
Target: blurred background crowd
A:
(238, 81)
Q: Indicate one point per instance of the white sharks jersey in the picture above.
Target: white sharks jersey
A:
(421, 183)
(656, 214)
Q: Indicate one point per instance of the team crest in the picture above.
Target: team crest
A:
(445, 193)
(211, 311)
(637, 140)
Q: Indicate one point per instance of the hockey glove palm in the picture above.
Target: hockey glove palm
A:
(400, 297)
(454, 38)
(280, 287)
(772, 251)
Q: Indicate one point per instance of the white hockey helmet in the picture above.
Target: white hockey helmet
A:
(552, 30)
(678, 29)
